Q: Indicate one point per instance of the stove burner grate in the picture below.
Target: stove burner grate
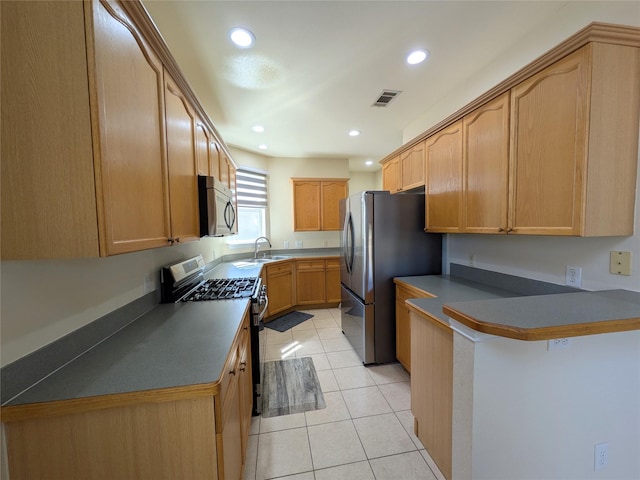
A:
(223, 288)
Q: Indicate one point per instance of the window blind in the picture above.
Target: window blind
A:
(251, 188)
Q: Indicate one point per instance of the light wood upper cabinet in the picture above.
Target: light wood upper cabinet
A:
(202, 149)
(181, 153)
(316, 203)
(114, 168)
(391, 175)
(444, 180)
(412, 163)
(485, 134)
(406, 171)
(574, 144)
(86, 191)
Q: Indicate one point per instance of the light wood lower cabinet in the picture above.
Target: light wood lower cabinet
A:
(403, 322)
(432, 387)
(279, 279)
(311, 283)
(151, 436)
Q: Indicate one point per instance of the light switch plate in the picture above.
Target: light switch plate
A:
(620, 263)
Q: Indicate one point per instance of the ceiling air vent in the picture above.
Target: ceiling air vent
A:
(385, 98)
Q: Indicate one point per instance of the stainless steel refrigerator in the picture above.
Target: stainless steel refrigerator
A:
(382, 237)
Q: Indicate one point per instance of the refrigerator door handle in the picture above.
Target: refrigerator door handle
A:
(348, 243)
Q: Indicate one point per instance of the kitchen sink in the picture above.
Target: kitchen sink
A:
(254, 262)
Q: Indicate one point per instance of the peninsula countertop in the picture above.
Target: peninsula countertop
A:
(514, 314)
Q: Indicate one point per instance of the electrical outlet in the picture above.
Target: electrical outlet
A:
(558, 343)
(286, 244)
(601, 456)
(298, 243)
(573, 277)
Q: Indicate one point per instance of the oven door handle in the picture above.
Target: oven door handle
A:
(264, 310)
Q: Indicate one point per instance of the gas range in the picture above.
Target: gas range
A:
(185, 282)
(223, 288)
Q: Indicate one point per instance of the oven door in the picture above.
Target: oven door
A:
(258, 345)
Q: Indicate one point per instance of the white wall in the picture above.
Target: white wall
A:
(545, 423)
(542, 258)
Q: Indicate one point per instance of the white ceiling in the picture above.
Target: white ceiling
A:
(317, 66)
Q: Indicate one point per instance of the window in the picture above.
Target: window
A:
(251, 188)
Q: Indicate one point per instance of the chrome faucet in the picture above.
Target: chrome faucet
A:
(257, 247)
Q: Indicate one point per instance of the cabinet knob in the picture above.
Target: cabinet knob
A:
(178, 239)
(509, 230)
(232, 372)
(243, 366)
(171, 240)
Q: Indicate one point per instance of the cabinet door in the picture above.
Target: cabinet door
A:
(549, 117)
(183, 186)
(412, 167)
(245, 383)
(306, 206)
(486, 167)
(432, 387)
(310, 282)
(279, 287)
(444, 180)
(332, 280)
(202, 149)
(403, 335)
(332, 193)
(391, 175)
(214, 159)
(134, 206)
(225, 166)
(231, 457)
(48, 192)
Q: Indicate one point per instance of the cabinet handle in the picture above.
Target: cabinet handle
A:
(509, 230)
(178, 239)
(243, 366)
(171, 240)
(501, 229)
(232, 372)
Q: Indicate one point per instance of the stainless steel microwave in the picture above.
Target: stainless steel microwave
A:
(217, 212)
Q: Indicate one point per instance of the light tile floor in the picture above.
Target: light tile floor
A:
(366, 431)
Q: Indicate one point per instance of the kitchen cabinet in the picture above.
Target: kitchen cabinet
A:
(432, 389)
(214, 158)
(181, 155)
(412, 163)
(574, 144)
(391, 175)
(405, 171)
(316, 203)
(443, 152)
(187, 431)
(236, 401)
(279, 279)
(202, 149)
(93, 184)
(403, 322)
(485, 134)
(109, 173)
(310, 282)
(332, 280)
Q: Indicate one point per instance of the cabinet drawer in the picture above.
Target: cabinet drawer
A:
(280, 267)
(333, 263)
(310, 265)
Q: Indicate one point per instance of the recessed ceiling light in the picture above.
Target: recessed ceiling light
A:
(354, 133)
(368, 162)
(262, 146)
(242, 37)
(417, 56)
(258, 128)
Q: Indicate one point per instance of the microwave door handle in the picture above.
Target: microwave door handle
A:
(232, 210)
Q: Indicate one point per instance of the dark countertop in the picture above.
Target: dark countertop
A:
(500, 311)
(173, 345)
(170, 346)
